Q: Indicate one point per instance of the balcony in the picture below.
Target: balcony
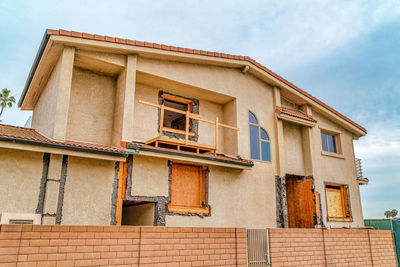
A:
(360, 177)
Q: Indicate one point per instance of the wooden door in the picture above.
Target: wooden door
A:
(300, 201)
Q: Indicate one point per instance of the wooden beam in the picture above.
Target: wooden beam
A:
(187, 127)
(216, 135)
(118, 213)
(177, 99)
(167, 129)
(161, 119)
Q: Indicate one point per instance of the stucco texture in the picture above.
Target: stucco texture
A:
(20, 174)
(237, 198)
(43, 117)
(336, 170)
(91, 111)
(88, 192)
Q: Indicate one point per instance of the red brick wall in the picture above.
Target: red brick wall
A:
(331, 247)
(127, 245)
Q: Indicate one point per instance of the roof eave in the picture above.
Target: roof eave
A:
(66, 147)
(35, 64)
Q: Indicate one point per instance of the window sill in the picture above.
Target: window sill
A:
(331, 154)
(185, 210)
(336, 219)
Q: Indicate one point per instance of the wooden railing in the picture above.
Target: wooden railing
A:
(188, 117)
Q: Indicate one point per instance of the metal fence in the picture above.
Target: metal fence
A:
(258, 248)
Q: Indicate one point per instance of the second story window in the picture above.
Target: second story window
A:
(260, 145)
(329, 142)
(174, 122)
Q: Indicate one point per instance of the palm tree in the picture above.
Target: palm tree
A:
(6, 100)
(394, 213)
(388, 214)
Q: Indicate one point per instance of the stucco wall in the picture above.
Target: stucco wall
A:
(293, 148)
(20, 174)
(43, 116)
(336, 170)
(237, 198)
(88, 191)
(91, 111)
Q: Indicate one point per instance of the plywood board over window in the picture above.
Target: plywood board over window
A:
(337, 201)
(188, 189)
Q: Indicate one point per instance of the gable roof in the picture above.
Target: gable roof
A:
(96, 37)
(22, 135)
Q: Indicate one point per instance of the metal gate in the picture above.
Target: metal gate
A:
(258, 248)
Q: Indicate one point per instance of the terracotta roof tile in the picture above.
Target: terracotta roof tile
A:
(213, 54)
(12, 133)
(294, 113)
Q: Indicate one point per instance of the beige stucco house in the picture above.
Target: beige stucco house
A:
(126, 132)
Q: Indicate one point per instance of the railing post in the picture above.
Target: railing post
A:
(216, 136)
(161, 119)
(187, 127)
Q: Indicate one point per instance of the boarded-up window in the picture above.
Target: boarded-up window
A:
(188, 189)
(337, 202)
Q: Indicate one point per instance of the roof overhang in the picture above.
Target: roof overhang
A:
(58, 149)
(186, 157)
(53, 40)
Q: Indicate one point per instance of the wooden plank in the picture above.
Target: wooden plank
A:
(191, 115)
(300, 201)
(335, 203)
(216, 136)
(118, 212)
(177, 99)
(171, 130)
(161, 119)
(185, 186)
(187, 127)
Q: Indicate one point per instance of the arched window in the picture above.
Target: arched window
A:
(260, 144)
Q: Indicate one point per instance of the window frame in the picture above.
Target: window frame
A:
(193, 107)
(345, 195)
(260, 140)
(338, 143)
(203, 210)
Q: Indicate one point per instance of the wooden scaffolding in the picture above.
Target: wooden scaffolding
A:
(186, 144)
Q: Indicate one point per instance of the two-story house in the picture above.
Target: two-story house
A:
(136, 133)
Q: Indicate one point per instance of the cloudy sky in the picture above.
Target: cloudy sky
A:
(346, 53)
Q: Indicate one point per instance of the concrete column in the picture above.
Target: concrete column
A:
(308, 144)
(129, 101)
(63, 94)
(125, 103)
(280, 143)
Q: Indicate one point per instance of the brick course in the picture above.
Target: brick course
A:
(331, 247)
(39, 245)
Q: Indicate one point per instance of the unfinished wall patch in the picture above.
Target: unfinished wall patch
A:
(43, 183)
(160, 202)
(114, 194)
(63, 178)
